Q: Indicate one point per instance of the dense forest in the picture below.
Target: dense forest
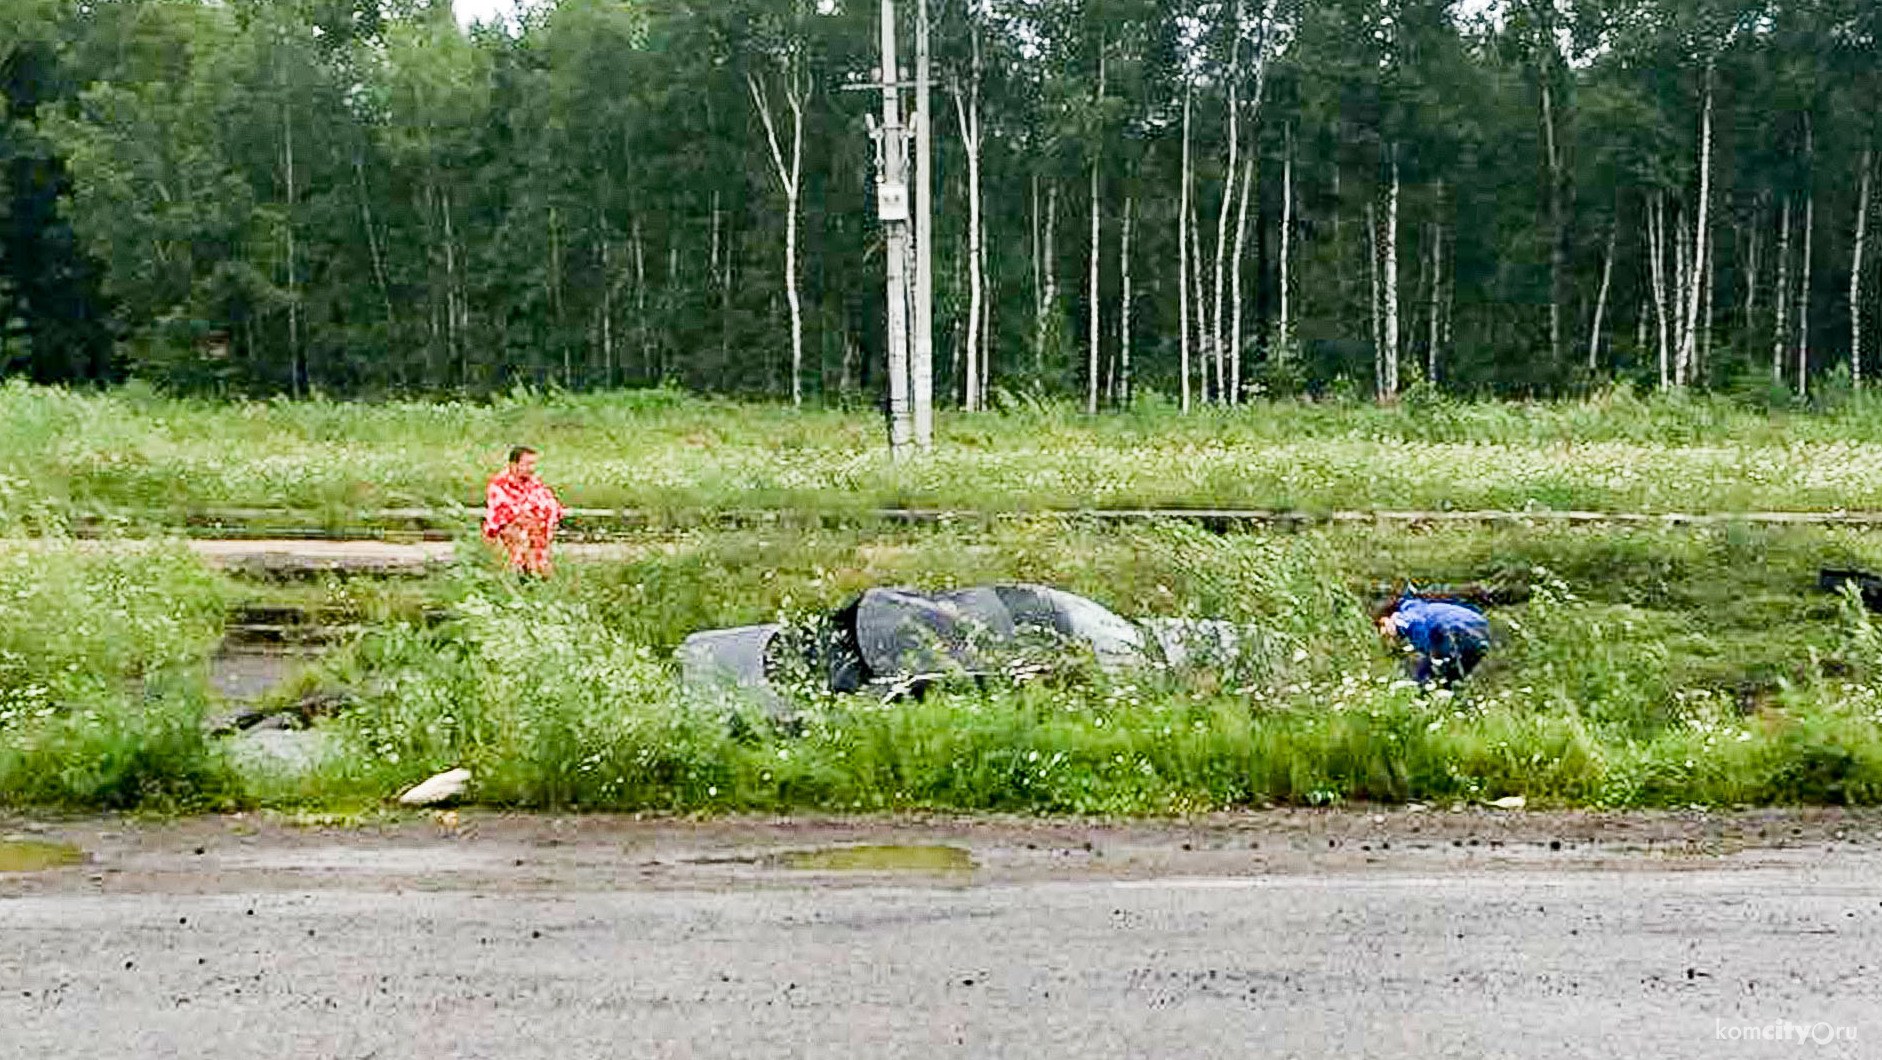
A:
(1207, 199)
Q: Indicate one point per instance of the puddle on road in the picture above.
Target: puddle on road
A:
(34, 855)
(930, 859)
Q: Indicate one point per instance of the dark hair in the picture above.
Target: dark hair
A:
(1383, 604)
(517, 451)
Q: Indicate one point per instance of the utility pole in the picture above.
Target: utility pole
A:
(921, 364)
(892, 207)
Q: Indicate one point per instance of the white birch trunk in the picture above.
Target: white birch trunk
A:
(373, 246)
(1437, 285)
(921, 366)
(967, 110)
(1038, 286)
(1855, 270)
(1196, 273)
(1216, 332)
(665, 364)
(453, 333)
(1287, 241)
(1372, 276)
(295, 367)
(1390, 272)
(1049, 307)
(1182, 256)
(1699, 272)
(1092, 321)
(1438, 306)
(1781, 303)
(1753, 246)
(437, 294)
(1123, 395)
(1601, 298)
(1706, 298)
(1450, 296)
(986, 319)
(1640, 328)
(1235, 282)
(1803, 297)
(1241, 214)
(790, 177)
(1557, 263)
(640, 300)
(1656, 263)
(555, 289)
(1683, 285)
(614, 278)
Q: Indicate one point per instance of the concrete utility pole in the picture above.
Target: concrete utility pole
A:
(892, 207)
(921, 364)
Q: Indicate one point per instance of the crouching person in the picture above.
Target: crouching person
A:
(1447, 640)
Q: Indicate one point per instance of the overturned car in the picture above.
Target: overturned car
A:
(893, 643)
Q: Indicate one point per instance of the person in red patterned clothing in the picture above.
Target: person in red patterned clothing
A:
(521, 513)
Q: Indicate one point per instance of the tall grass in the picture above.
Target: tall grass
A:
(102, 689)
(140, 459)
(557, 695)
(1641, 667)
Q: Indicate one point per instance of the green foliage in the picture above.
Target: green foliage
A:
(1630, 694)
(1642, 665)
(548, 705)
(119, 755)
(273, 197)
(101, 683)
(80, 627)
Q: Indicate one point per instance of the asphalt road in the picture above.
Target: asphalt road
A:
(1288, 934)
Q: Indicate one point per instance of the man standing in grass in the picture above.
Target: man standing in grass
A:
(521, 513)
(1449, 639)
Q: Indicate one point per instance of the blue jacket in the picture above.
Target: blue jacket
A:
(1434, 628)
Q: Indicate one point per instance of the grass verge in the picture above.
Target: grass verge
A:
(132, 459)
(1640, 668)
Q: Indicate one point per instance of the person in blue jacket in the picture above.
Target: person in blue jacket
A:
(1448, 639)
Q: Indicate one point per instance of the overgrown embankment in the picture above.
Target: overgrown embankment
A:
(1640, 667)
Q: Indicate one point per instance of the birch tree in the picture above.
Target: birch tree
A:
(790, 179)
(1232, 123)
(921, 359)
(1855, 269)
(1541, 32)
(1182, 252)
(1781, 299)
(1388, 389)
(1601, 297)
(1122, 396)
(1804, 267)
(1688, 333)
(1097, 254)
(967, 112)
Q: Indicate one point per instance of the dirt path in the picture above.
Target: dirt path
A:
(1291, 933)
(304, 556)
(373, 557)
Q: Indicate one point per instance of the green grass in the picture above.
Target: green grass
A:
(102, 690)
(129, 457)
(1644, 666)
(1710, 674)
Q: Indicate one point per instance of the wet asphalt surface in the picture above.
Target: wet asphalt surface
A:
(1281, 934)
